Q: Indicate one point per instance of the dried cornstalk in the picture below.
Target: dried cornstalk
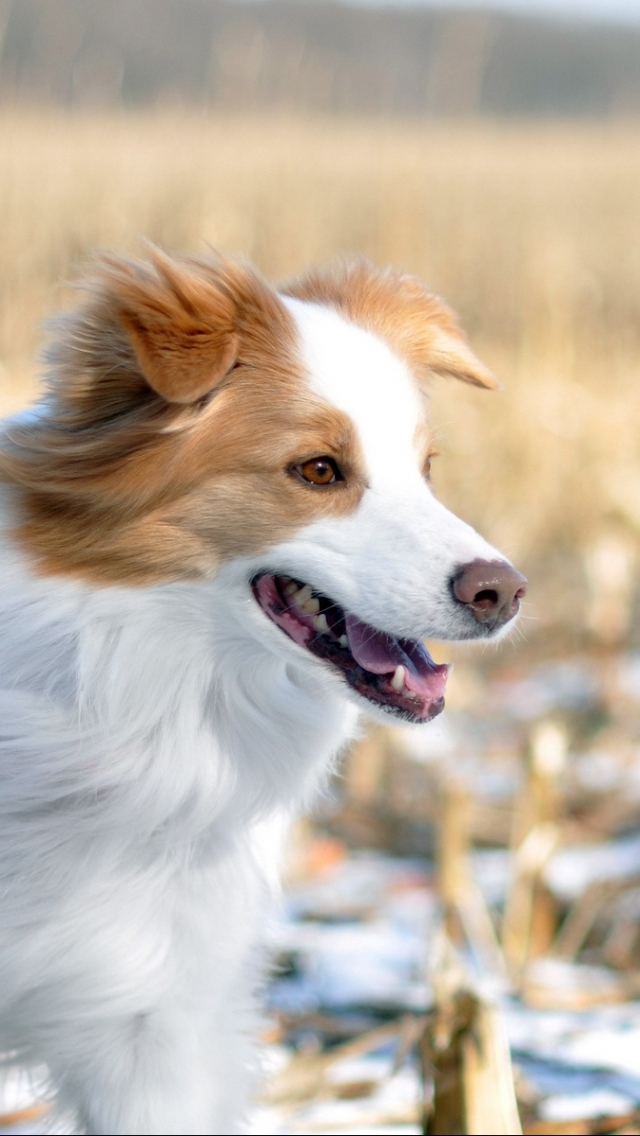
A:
(466, 914)
(304, 1077)
(528, 925)
(581, 918)
(610, 562)
(490, 1097)
(465, 1057)
(453, 853)
(598, 900)
(441, 1053)
(468, 1055)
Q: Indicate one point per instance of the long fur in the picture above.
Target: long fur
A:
(152, 718)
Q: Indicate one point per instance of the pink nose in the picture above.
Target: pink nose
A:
(490, 589)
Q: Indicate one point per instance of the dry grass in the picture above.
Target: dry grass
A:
(533, 233)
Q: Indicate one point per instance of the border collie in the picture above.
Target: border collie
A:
(219, 545)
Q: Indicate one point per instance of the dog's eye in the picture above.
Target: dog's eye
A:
(319, 471)
(426, 467)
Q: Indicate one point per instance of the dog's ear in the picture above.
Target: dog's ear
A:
(181, 325)
(422, 328)
(398, 307)
(449, 354)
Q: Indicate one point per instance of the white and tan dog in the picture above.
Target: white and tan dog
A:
(219, 544)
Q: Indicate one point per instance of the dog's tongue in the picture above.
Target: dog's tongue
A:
(381, 654)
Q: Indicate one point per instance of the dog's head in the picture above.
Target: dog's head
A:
(198, 419)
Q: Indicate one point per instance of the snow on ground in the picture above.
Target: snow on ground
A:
(351, 943)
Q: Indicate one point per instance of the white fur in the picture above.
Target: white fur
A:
(147, 735)
(391, 561)
(355, 370)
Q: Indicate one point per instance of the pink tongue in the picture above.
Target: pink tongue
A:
(374, 650)
(381, 654)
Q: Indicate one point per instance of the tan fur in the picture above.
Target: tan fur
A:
(179, 405)
(134, 477)
(416, 324)
(183, 327)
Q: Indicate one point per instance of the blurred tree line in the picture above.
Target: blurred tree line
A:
(314, 56)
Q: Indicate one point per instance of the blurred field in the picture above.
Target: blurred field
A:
(531, 232)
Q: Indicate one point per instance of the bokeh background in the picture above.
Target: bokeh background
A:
(494, 150)
(495, 154)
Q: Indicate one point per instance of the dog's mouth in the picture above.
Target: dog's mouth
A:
(396, 674)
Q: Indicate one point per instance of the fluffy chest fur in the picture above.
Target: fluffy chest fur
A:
(173, 711)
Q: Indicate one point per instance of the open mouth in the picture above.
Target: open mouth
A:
(396, 674)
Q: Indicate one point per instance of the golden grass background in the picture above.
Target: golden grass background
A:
(531, 232)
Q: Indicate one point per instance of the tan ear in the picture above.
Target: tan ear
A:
(181, 326)
(450, 355)
(398, 307)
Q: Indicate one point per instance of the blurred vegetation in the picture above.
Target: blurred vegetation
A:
(293, 132)
(315, 55)
(532, 234)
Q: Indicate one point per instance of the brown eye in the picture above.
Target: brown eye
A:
(319, 471)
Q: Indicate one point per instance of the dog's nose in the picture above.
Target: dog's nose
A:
(490, 589)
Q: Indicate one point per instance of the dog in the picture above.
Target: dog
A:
(219, 546)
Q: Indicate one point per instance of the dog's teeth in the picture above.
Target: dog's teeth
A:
(291, 588)
(312, 606)
(397, 681)
(320, 623)
(303, 596)
(343, 641)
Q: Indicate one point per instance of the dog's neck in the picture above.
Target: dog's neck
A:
(183, 717)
